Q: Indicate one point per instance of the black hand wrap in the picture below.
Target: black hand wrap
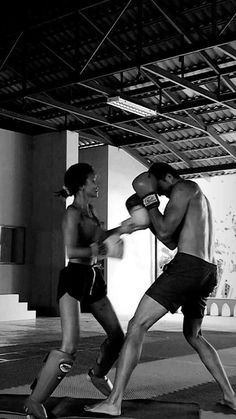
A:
(133, 201)
(151, 201)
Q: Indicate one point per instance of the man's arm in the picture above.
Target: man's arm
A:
(166, 225)
(171, 243)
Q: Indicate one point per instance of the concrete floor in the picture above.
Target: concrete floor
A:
(49, 330)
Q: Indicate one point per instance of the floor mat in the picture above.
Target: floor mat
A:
(21, 363)
(131, 409)
(207, 395)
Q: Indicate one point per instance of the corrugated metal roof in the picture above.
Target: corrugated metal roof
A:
(60, 61)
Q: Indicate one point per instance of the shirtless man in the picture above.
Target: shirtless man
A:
(187, 281)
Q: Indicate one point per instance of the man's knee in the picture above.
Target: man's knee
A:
(192, 337)
(136, 327)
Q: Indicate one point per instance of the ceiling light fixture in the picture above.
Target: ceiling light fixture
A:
(129, 106)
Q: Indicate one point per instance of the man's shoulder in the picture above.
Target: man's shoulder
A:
(186, 185)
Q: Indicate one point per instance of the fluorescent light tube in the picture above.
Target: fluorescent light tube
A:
(129, 106)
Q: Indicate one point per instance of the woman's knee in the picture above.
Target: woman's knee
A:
(69, 345)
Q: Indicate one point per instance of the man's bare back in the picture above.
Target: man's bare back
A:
(196, 235)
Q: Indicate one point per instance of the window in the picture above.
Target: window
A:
(12, 245)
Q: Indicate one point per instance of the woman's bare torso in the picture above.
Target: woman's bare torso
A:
(88, 231)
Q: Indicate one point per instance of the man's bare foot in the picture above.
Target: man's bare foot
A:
(229, 402)
(105, 408)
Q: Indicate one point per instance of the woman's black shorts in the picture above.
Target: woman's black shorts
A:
(83, 282)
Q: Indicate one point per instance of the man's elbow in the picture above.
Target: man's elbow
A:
(164, 235)
(167, 239)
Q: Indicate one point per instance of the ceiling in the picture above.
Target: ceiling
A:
(61, 61)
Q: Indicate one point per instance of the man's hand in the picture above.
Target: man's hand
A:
(138, 212)
(144, 186)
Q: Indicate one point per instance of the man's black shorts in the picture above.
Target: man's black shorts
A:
(186, 281)
(83, 282)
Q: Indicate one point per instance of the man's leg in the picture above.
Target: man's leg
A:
(210, 358)
(147, 313)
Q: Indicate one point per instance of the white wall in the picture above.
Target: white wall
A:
(129, 278)
(15, 203)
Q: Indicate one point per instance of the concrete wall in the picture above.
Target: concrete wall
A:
(98, 158)
(15, 204)
(52, 154)
(31, 170)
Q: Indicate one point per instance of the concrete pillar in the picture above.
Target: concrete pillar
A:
(52, 155)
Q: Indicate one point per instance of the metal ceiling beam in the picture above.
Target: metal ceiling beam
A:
(181, 27)
(198, 102)
(105, 36)
(189, 120)
(58, 56)
(86, 114)
(28, 119)
(193, 121)
(74, 80)
(102, 33)
(210, 130)
(228, 50)
(177, 118)
(226, 146)
(103, 137)
(227, 24)
(180, 81)
(10, 51)
(207, 169)
(71, 109)
(161, 139)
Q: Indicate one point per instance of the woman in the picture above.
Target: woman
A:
(81, 280)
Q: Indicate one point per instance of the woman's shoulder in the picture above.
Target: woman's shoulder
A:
(73, 212)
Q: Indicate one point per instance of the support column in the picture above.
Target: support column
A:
(52, 155)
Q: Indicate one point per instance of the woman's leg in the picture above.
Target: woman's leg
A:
(147, 313)
(110, 348)
(104, 313)
(69, 312)
(58, 362)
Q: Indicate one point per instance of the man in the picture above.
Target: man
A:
(185, 225)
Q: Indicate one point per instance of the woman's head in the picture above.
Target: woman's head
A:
(77, 177)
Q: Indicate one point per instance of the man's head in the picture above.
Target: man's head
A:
(165, 177)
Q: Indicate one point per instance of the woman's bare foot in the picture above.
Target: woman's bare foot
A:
(104, 407)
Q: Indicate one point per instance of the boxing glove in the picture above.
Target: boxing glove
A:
(112, 246)
(139, 214)
(144, 186)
